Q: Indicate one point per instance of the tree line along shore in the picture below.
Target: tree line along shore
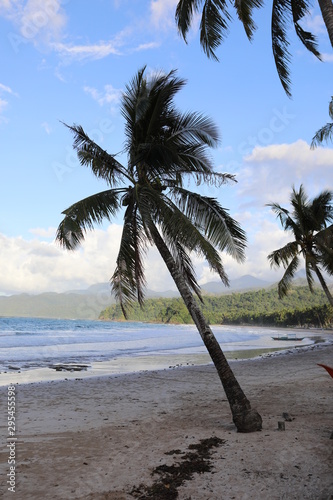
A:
(300, 308)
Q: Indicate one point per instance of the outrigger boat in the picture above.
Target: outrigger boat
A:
(289, 336)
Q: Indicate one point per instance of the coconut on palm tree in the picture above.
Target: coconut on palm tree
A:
(165, 148)
(310, 224)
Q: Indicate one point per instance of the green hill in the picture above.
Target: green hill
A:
(261, 307)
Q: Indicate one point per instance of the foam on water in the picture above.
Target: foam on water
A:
(27, 343)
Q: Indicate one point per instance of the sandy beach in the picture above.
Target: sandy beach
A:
(102, 438)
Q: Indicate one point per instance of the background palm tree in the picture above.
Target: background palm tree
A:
(313, 239)
(164, 148)
(216, 16)
(326, 132)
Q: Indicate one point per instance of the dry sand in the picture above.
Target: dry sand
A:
(100, 438)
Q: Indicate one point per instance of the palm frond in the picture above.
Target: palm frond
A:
(83, 215)
(147, 101)
(185, 265)
(215, 179)
(150, 202)
(244, 10)
(213, 26)
(213, 221)
(192, 127)
(184, 14)
(69, 234)
(284, 255)
(102, 164)
(281, 213)
(281, 16)
(325, 133)
(300, 8)
(128, 280)
(176, 226)
(182, 145)
(323, 242)
(284, 284)
(322, 210)
(310, 265)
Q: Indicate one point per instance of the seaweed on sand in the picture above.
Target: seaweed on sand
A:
(171, 477)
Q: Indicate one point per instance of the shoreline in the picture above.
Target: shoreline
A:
(150, 362)
(100, 438)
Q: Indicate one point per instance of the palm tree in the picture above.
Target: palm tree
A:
(310, 224)
(215, 19)
(326, 132)
(164, 148)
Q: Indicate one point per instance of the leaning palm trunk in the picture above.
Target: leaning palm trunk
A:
(324, 285)
(245, 418)
(326, 7)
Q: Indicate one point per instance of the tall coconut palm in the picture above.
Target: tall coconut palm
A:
(216, 16)
(165, 148)
(310, 222)
(325, 133)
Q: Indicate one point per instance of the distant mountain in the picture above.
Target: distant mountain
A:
(244, 283)
(88, 303)
(56, 305)
(75, 304)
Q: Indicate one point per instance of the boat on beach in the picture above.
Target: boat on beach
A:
(289, 336)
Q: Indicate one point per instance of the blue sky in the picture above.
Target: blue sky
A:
(68, 61)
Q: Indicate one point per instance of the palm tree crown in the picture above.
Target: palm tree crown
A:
(164, 147)
(310, 223)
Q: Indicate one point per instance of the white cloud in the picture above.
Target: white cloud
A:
(36, 266)
(46, 127)
(4, 89)
(3, 104)
(36, 20)
(163, 13)
(146, 46)
(327, 57)
(40, 265)
(314, 23)
(110, 96)
(269, 173)
(44, 233)
(85, 52)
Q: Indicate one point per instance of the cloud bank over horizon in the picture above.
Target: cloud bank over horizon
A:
(40, 265)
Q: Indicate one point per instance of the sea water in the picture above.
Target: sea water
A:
(33, 343)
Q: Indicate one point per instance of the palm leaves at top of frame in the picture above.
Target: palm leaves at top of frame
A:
(216, 17)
